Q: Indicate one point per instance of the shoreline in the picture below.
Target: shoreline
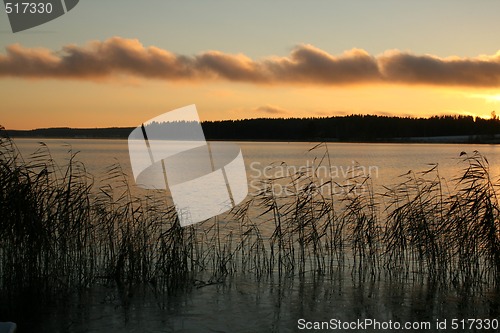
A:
(458, 139)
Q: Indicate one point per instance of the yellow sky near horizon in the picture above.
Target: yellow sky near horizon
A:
(37, 103)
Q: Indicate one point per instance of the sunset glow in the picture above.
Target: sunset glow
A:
(102, 77)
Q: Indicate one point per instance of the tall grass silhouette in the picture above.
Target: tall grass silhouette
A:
(61, 230)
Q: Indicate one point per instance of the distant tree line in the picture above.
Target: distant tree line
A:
(350, 128)
(67, 132)
(340, 128)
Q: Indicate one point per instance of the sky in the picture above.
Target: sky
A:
(119, 63)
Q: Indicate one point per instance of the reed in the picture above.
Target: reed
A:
(61, 230)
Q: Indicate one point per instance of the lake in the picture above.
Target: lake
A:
(384, 162)
(279, 302)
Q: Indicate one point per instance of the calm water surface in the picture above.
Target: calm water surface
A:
(384, 162)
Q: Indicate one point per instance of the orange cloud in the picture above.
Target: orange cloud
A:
(401, 67)
(312, 65)
(306, 64)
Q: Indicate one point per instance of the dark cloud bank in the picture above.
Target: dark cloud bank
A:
(305, 65)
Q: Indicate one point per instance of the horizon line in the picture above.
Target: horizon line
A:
(259, 118)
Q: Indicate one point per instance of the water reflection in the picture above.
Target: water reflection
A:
(244, 304)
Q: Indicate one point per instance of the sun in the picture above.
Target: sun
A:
(487, 97)
(493, 98)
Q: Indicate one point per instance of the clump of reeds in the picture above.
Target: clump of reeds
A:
(448, 236)
(59, 231)
(45, 225)
(428, 231)
(474, 224)
(414, 235)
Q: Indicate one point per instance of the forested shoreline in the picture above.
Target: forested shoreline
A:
(353, 128)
